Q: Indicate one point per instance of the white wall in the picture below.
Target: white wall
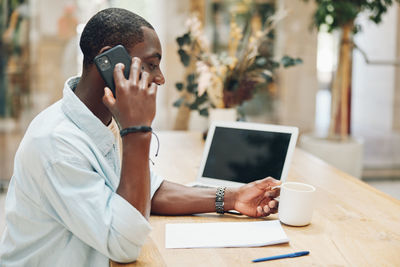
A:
(48, 15)
(169, 22)
(168, 19)
(374, 91)
(374, 85)
(298, 86)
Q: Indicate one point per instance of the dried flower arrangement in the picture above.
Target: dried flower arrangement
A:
(229, 78)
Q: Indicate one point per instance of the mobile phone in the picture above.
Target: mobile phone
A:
(105, 63)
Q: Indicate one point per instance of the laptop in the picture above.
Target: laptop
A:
(237, 153)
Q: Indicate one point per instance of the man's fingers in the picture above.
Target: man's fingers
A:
(274, 210)
(267, 182)
(143, 83)
(119, 77)
(266, 209)
(260, 211)
(273, 193)
(134, 73)
(153, 89)
(108, 98)
(273, 204)
(269, 208)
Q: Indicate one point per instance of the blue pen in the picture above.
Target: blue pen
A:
(290, 255)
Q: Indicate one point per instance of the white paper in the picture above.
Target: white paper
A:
(224, 234)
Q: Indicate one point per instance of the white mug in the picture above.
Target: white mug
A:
(296, 203)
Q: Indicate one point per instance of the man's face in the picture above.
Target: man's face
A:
(149, 51)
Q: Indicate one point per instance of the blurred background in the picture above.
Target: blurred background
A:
(331, 68)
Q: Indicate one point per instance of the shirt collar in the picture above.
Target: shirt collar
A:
(84, 119)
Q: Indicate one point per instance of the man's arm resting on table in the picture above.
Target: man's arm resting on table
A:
(255, 199)
(177, 199)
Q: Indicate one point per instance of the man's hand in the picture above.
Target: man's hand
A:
(135, 102)
(256, 199)
(134, 105)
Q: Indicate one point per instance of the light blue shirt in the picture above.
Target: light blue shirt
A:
(62, 208)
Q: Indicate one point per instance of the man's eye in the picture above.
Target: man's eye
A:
(152, 66)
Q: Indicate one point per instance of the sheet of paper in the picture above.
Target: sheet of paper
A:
(224, 234)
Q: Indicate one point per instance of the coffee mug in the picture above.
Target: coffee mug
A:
(296, 203)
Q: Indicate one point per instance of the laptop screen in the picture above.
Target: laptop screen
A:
(243, 155)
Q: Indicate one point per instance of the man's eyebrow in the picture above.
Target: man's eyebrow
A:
(157, 55)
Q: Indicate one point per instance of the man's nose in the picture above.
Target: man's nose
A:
(159, 79)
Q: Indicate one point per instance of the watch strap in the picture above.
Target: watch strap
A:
(219, 200)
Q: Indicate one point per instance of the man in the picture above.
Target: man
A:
(70, 201)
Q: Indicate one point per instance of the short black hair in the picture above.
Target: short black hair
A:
(111, 27)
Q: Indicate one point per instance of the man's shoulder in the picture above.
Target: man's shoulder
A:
(50, 124)
(52, 134)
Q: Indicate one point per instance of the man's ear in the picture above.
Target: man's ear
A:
(104, 49)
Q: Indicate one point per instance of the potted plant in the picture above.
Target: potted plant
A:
(340, 15)
(225, 80)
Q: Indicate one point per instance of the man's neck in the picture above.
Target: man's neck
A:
(90, 91)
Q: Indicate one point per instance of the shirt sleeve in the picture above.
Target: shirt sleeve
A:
(156, 181)
(80, 199)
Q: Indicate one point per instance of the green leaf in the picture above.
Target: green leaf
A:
(203, 112)
(179, 86)
(186, 38)
(261, 61)
(298, 61)
(289, 61)
(191, 78)
(202, 99)
(274, 64)
(185, 58)
(192, 87)
(286, 61)
(180, 41)
(193, 106)
(191, 83)
(179, 102)
(198, 101)
(335, 14)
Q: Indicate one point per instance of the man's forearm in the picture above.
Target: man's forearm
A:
(176, 199)
(135, 173)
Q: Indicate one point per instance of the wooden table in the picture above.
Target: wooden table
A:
(353, 224)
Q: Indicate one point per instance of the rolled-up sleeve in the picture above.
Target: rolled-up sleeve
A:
(80, 198)
(156, 181)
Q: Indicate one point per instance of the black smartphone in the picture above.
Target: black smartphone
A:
(105, 63)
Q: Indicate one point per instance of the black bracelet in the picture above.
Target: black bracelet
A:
(141, 129)
(135, 129)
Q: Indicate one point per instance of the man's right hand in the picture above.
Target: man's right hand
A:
(134, 105)
(135, 102)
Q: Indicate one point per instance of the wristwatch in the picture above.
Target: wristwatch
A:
(219, 200)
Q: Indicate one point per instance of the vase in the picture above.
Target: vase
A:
(222, 114)
(197, 122)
